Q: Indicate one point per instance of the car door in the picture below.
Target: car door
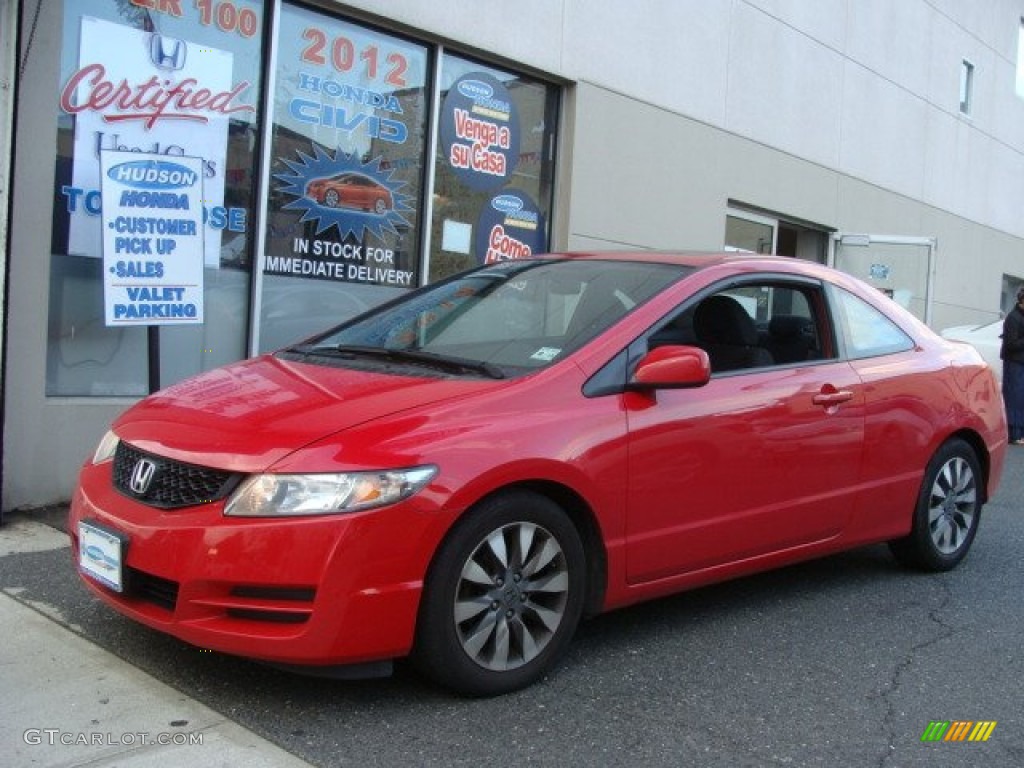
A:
(760, 460)
(360, 193)
(907, 398)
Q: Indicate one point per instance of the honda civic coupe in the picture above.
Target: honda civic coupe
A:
(462, 474)
(351, 190)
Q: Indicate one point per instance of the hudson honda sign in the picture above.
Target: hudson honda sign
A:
(152, 239)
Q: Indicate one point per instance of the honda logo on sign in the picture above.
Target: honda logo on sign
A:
(167, 52)
(142, 476)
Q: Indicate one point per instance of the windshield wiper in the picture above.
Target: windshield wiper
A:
(414, 356)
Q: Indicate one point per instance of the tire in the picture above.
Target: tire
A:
(947, 513)
(380, 207)
(331, 198)
(503, 597)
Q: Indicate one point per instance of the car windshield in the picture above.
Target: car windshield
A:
(500, 320)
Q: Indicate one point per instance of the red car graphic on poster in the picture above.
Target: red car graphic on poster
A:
(350, 190)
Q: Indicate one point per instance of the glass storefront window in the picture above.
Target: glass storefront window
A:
(174, 80)
(494, 168)
(356, 116)
(351, 111)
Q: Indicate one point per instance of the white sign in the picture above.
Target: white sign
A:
(152, 238)
(152, 94)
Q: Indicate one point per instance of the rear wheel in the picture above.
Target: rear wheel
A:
(503, 597)
(947, 513)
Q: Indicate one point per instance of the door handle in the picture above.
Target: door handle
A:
(830, 396)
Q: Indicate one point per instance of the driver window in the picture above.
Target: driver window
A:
(748, 327)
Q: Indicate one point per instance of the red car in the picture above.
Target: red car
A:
(465, 472)
(351, 190)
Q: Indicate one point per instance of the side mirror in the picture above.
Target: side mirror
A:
(672, 367)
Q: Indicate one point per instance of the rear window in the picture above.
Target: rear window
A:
(868, 332)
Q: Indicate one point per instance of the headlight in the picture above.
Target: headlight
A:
(326, 494)
(105, 450)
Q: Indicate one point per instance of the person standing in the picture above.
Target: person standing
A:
(1011, 352)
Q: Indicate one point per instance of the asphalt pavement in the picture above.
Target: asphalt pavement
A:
(847, 660)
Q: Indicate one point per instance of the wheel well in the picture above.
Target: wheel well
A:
(974, 440)
(582, 517)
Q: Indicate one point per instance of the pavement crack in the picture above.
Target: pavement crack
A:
(944, 632)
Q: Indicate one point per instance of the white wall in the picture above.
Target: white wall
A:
(8, 70)
(8, 64)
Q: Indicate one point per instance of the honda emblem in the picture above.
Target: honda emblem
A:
(167, 52)
(142, 476)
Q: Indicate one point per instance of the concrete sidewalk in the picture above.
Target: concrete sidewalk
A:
(66, 702)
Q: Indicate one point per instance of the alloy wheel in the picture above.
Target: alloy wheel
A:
(511, 596)
(952, 505)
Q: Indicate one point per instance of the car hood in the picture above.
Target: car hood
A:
(247, 416)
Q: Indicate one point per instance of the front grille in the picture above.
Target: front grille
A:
(173, 484)
(263, 614)
(298, 594)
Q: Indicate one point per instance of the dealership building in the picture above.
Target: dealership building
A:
(185, 183)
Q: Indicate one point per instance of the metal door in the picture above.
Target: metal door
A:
(902, 267)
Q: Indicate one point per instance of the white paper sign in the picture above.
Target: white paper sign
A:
(152, 238)
(143, 92)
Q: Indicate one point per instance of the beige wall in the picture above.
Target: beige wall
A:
(643, 177)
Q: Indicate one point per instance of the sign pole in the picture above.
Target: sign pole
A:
(153, 348)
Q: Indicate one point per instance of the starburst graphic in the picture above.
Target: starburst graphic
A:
(341, 191)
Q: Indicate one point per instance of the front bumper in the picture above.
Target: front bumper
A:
(317, 591)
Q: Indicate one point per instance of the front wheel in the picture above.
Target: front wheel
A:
(947, 513)
(503, 597)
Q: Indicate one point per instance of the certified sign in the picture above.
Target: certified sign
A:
(145, 92)
(152, 238)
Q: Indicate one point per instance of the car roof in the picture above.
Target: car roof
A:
(745, 263)
(695, 259)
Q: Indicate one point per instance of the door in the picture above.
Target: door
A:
(901, 267)
(757, 461)
(750, 232)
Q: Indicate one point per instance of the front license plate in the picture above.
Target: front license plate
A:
(101, 554)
